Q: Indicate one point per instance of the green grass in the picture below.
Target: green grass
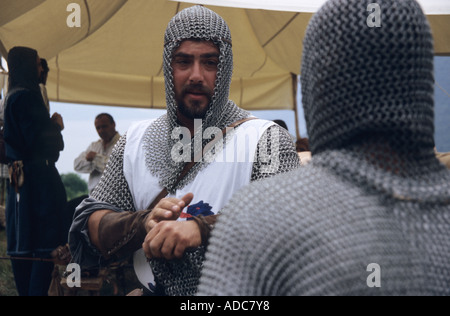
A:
(7, 284)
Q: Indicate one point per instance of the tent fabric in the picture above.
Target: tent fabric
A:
(429, 6)
(115, 57)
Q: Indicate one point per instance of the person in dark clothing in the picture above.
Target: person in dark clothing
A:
(43, 81)
(36, 198)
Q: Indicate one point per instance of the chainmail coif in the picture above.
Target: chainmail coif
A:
(374, 192)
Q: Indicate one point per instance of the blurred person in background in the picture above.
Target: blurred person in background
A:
(96, 156)
(37, 198)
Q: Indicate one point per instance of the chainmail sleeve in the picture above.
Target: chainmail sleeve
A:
(275, 154)
(113, 187)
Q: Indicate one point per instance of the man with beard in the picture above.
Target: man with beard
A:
(167, 179)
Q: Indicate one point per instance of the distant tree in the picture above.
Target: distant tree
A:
(75, 185)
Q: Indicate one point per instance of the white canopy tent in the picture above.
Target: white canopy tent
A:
(430, 7)
(115, 56)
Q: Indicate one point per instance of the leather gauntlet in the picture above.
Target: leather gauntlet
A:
(121, 234)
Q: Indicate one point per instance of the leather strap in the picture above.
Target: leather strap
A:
(188, 166)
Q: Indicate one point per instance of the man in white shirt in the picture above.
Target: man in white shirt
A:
(95, 158)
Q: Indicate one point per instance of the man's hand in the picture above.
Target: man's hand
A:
(166, 237)
(169, 239)
(168, 209)
(90, 156)
(57, 118)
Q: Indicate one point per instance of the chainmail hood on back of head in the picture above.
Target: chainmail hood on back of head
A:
(360, 79)
(199, 23)
(368, 94)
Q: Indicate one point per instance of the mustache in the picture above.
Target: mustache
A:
(197, 89)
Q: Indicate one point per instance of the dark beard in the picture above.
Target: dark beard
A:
(194, 111)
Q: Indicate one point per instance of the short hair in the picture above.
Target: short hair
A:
(109, 116)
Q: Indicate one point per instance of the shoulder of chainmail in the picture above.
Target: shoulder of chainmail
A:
(277, 144)
(113, 187)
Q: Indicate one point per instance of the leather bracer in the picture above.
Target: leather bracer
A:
(121, 234)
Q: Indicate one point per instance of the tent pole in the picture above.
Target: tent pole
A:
(295, 88)
(1, 65)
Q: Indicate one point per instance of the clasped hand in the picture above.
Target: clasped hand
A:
(168, 238)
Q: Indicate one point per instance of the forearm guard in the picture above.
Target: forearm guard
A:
(121, 234)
